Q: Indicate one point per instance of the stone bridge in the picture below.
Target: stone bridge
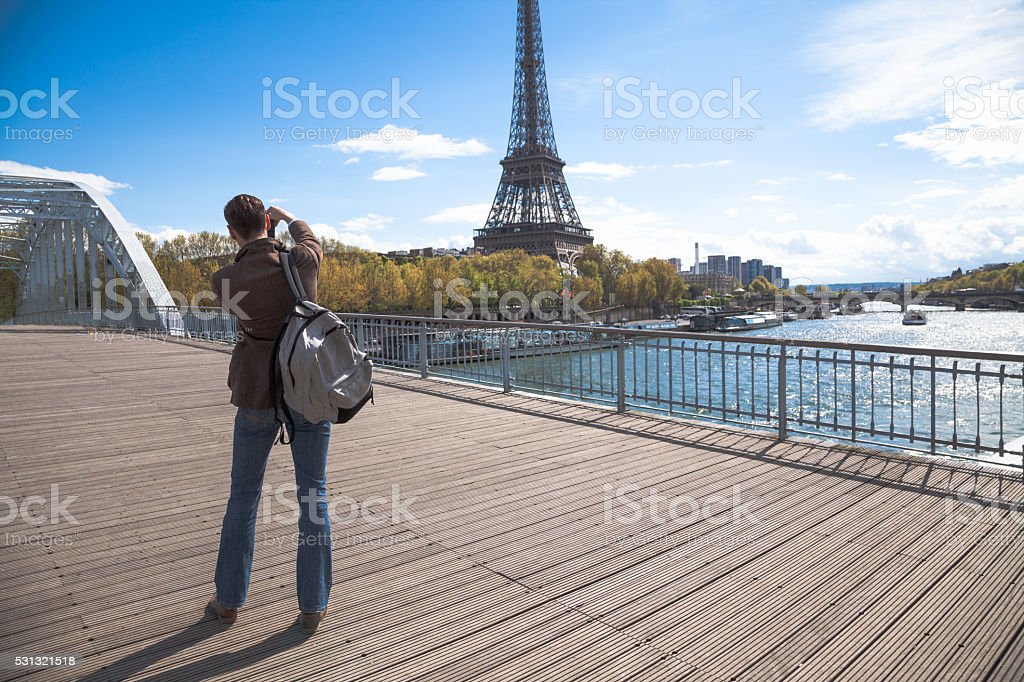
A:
(960, 300)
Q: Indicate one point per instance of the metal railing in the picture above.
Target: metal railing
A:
(964, 404)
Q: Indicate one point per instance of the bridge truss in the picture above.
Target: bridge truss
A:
(70, 248)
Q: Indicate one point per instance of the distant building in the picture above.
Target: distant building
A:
(718, 282)
(734, 267)
(431, 252)
(718, 263)
(676, 263)
(752, 269)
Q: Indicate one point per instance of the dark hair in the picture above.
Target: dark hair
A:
(246, 215)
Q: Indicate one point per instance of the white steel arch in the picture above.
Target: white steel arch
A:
(64, 240)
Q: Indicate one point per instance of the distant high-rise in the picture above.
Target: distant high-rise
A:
(718, 263)
(773, 274)
(754, 269)
(676, 263)
(735, 268)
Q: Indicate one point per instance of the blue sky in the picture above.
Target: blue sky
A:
(846, 173)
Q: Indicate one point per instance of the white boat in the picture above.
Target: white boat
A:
(748, 321)
(914, 318)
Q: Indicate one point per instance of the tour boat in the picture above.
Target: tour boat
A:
(749, 321)
(914, 318)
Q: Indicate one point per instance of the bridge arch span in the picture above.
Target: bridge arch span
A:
(62, 238)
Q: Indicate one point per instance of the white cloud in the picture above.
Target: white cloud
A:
(324, 231)
(455, 241)
(731, 212)
(276, 200)
(350, 160)
(788, 217)
(395, 173)
(372, 242)
(605, 171)
(162, 233)
(927, 195)
(771, 181)
(888, 60)
(470, 214)
(782, 247)
(367, 223)
(348, 237)
(766, 198)
(839, 177)
(409, 143)
(101, 184)
(1007, 194)
(643, 233)
(987, 140)
(703, 164)
(892, 247)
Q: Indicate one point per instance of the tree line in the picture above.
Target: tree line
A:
(357, 280)
(1005, 278)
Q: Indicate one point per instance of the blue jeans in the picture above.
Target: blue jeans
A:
(255, 433)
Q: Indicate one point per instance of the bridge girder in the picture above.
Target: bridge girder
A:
(62, 238)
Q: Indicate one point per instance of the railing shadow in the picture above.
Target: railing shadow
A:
(918, 473)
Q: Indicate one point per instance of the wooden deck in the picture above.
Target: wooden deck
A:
(802, 562)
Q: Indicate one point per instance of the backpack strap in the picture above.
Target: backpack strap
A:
(281, 411)
(291, 273)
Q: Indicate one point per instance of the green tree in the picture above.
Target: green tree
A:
(636, 287)
(667, 283)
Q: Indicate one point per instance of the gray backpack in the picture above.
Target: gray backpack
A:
(324, 375)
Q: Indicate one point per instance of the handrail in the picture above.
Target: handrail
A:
(996, 356)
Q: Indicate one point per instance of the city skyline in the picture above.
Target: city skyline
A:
(837, 163)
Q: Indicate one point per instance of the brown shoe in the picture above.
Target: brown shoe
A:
(224, 615)
(310, 621)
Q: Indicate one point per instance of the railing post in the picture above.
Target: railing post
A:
(423, 350)
(620, 374)
(361, 335)
(506, 370)
(934, 436)
(783, 415)
(853, 396)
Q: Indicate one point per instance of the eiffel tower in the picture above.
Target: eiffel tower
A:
(532, 209)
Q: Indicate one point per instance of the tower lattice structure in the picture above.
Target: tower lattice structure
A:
(532, 208)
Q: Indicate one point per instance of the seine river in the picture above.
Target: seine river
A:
(979, 330)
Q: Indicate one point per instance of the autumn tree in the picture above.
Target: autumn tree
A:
(636, 288)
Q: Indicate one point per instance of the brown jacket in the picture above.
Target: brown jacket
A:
(261, 310)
